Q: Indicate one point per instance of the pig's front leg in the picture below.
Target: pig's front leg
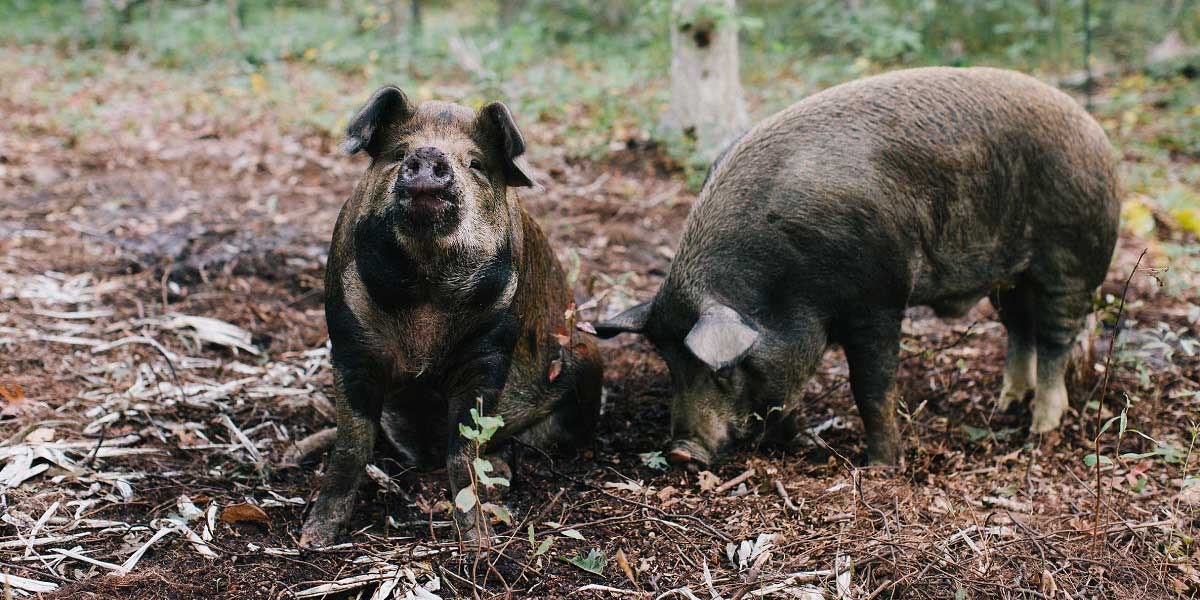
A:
(357, 422)
(872, 345)
(479, 383)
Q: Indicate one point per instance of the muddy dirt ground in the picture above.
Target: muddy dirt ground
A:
(130, 424)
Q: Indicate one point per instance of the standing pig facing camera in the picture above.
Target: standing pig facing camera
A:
(441, 295)
(820, 225)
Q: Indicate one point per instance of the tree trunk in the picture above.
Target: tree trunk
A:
(707, 104)
(94, 12)
(399, 16)
(233, 14)
(414, 18)
(509, 10)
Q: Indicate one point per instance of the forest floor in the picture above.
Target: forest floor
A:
(143, 441)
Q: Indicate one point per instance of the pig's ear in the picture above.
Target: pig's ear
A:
(496, 119)
(387, 105)
(721, 337)
(632, 320)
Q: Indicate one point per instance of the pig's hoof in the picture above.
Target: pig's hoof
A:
(883, 454)
(318, 535)
(475, 537)
(1048, 409)
(1044, 423)
(689, 455)
(1011, 393)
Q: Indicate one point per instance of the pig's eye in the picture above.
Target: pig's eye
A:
(476, 165)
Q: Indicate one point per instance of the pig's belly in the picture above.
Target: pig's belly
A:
(956, 280)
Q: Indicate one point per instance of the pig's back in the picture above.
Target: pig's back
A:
(922, 183)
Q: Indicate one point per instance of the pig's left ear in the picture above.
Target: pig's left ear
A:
(387, 105)
(721, 337)
(496, 119)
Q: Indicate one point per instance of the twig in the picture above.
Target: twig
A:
(139, 339)
(787, 499)
(612, 590)
(732, 483)
(1104, 393)
(91, 462)
(255, 455)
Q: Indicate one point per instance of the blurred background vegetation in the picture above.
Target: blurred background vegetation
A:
(589, 77)
(604, 59)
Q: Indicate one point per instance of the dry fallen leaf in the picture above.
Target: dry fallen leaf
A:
(41, 435)
(245, 513)
(13, 397)
(707, 481)
(624, 564)
(666, 493)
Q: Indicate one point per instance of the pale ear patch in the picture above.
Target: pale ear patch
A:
(721, 337)
(632, 320)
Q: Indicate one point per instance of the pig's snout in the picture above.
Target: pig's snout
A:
(689, 455)
(426, 170)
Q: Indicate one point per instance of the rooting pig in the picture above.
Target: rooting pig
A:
(823, 223)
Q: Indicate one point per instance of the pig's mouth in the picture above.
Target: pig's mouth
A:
(428, 202)
(428, 213)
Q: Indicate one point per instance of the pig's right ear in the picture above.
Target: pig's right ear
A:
(632, 320)
(387, 105)
(496, 118)
(721, 337)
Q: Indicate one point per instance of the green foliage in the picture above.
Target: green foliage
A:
(465, 499)
(654, 460)
(1023, 33)
(595, 74)
(482, 468)
(594, 562)
(975, 434)
(485, 428)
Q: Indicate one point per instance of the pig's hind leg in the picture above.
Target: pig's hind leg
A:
(1062, 306)
(1018, 314)
(872, 345)
(572, 421)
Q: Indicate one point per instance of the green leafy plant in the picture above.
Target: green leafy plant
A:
(484, 428)
(654, 460)
(536, 548)
(594, 562)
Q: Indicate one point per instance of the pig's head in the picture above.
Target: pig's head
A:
(439, 171)
(716, 358)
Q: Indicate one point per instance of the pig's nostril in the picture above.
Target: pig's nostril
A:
(440, 169)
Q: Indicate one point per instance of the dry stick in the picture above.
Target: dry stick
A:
(787, 499)
(91, 462)
(732, 483)
(1104, 392)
